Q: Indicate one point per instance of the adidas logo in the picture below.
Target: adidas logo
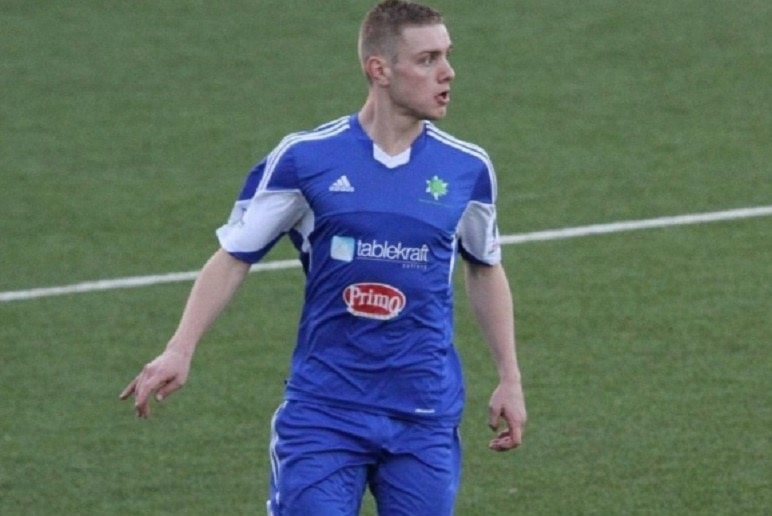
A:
(341, 184)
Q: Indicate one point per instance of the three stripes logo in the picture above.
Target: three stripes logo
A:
(341, 184)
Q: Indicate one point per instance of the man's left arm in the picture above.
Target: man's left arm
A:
(491, 300)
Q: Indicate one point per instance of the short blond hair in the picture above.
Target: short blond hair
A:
(383, 25)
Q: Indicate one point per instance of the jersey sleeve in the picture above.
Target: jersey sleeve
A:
(478, 230)
(269, 205)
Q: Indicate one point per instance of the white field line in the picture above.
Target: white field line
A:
(631, 225)
(537, 236)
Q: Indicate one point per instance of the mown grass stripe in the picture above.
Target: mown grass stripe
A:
(536, 236)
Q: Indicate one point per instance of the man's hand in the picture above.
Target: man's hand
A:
(507, 401)
(164, 375)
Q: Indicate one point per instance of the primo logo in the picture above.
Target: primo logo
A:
(347, 248)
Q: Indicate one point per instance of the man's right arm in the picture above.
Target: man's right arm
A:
(217, 283)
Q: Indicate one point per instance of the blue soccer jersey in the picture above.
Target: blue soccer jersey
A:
(378, 236)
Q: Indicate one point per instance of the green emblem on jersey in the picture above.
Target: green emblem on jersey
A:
(436, 187)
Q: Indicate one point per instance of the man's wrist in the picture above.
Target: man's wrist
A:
(180, 350)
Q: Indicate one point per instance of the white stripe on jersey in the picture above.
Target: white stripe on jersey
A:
(469, 148)
(276, 470)
(323, 131)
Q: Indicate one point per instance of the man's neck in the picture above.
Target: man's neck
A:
(392, 132)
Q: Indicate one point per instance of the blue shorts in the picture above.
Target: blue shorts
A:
(323, 458)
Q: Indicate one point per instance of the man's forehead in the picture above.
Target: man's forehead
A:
(425, 37)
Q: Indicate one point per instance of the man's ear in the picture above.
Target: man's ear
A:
(378, 70)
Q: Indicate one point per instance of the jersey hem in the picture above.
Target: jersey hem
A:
(445, 420)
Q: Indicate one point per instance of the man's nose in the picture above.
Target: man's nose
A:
(447, 73)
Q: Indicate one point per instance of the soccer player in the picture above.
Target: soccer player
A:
(379, 204)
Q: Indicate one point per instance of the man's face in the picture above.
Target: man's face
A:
(421, 74)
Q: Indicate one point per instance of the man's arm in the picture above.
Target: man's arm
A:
(215, 286)
(491, 299)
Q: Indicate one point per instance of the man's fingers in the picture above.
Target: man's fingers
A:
(502, 444)
(136, 387)
(159, 378)
(148, 383)
(516, 436)
(165, 390)
(515, 429)
(144, 387)
(142, 410)
(493, 418)
(506, 440)
(158, 387)
(129, 389)
(509, 438)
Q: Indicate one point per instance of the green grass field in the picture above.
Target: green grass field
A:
(126, 129)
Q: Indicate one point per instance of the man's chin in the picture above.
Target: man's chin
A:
(437, 114)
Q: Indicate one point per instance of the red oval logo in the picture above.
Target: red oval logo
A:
(374, 300)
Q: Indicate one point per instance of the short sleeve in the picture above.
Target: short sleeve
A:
(478, 228)
(269, 205)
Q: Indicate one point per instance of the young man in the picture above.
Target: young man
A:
(378, 204)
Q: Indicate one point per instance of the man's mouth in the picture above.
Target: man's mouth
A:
(444, 97)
